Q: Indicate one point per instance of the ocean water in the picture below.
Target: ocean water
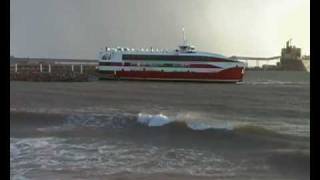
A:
(256, 129)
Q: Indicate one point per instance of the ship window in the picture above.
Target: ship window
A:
(104, 63)
(169, 57)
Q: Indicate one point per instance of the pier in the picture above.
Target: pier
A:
(52, 70)
(290, 60)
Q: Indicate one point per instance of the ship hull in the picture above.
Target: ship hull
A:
(231, 75)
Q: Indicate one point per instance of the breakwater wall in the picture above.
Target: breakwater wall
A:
(52, 72)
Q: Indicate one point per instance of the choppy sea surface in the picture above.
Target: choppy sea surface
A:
(256, 129)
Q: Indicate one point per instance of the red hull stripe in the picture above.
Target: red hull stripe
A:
(232, 74)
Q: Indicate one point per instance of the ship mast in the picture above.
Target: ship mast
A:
(185, 47)
(184, 37)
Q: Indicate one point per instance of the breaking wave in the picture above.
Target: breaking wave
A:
(155, 143)
(179, 128)
(138, 121)
(153, 120)
(143, 123)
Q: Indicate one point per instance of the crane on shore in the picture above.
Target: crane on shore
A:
(257, 59)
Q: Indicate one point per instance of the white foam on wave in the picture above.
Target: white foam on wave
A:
(153, 120)
(161, 119)
(198, 126)
(214, 125)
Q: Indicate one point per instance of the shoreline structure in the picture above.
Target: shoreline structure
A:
(39, 69)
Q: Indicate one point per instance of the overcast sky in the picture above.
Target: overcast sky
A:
(79, 28)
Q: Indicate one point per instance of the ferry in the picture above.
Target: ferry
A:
(182, 64)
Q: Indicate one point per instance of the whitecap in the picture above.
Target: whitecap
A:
(198, 126)
(153, 120)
